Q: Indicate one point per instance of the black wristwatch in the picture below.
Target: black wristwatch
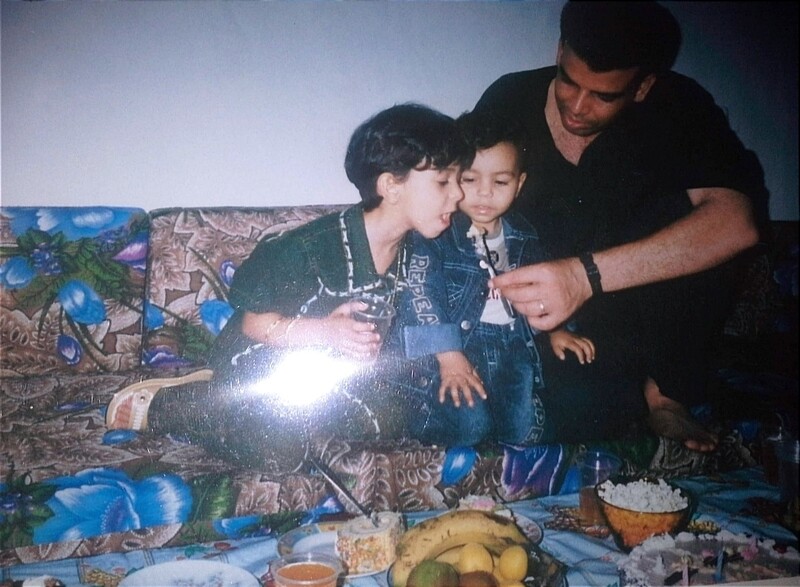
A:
(592, 272)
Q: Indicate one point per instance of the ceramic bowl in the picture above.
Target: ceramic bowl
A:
(630, 527)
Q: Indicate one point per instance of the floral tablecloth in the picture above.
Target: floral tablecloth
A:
(739, 501)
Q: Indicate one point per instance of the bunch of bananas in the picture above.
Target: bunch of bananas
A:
(463, 538)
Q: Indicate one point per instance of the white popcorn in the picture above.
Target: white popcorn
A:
(643, 496)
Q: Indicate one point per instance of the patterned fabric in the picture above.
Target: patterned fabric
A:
(67, 482)
(193, 256)
(72, 288)
(767, 300)
(71, 488)
(739, 502)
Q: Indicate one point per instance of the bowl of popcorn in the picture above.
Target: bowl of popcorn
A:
(638, 509)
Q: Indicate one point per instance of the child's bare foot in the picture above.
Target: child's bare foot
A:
(671, 419)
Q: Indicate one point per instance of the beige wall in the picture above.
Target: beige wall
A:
(251, 103)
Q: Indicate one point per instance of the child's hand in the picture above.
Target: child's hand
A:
(564, 340)
(458, 377)
(338, 330)
(355, 339)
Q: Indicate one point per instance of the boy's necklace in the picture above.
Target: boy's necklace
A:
(400, 266)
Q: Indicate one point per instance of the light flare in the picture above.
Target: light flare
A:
(305, 377)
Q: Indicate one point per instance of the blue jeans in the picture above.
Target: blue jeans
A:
(512, 412)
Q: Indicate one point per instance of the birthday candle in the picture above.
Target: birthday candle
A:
(685, 573)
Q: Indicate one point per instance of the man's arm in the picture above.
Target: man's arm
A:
(720, 226)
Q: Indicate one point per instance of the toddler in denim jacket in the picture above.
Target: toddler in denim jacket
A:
(486, 352)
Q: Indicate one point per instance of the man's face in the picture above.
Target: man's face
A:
(589, 101)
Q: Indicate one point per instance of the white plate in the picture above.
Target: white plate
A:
(315, 538)
(197, 573)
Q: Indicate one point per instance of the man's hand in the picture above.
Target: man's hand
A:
(458, 377)
(547, 294)
(562, 340)
(720, 226)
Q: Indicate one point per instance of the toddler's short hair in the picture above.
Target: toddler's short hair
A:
(483, 129)
(399, 139)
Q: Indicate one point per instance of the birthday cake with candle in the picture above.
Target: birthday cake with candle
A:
(366, 547)
(707, 559)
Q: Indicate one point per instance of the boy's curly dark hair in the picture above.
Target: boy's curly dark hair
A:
(485, 129)
(399, 139)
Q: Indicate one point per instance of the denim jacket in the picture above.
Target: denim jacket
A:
(447, 288)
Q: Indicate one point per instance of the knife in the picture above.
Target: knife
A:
(334, 480)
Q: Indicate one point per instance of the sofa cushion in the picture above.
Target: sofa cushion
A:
(194, 253)
(72, 288)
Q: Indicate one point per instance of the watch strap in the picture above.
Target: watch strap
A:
(592, 272)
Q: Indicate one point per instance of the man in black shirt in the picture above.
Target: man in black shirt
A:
(645, 196)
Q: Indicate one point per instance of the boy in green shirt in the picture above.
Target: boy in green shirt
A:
(292, 358)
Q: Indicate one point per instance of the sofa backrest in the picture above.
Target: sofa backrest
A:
(81, 291)
(71, 288)
(194, 253)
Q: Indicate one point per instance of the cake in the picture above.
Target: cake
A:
(690, 559)
(366, 548)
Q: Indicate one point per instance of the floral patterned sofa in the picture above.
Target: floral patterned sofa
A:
(96, 298)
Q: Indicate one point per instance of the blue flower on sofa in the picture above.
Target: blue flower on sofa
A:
(22, 508)
(537, 468)
(15, 510)
(153, 316)
(9, 503)
(75, 223)
(226, 271)
(163, 356)
(69, 264)
(135, 253)
(16, 273)
(46, 260)
(458, 462)
(69, 349)
(100, 501)
(81, 302)
(215, 315)
(242, 527)
(328, 505)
